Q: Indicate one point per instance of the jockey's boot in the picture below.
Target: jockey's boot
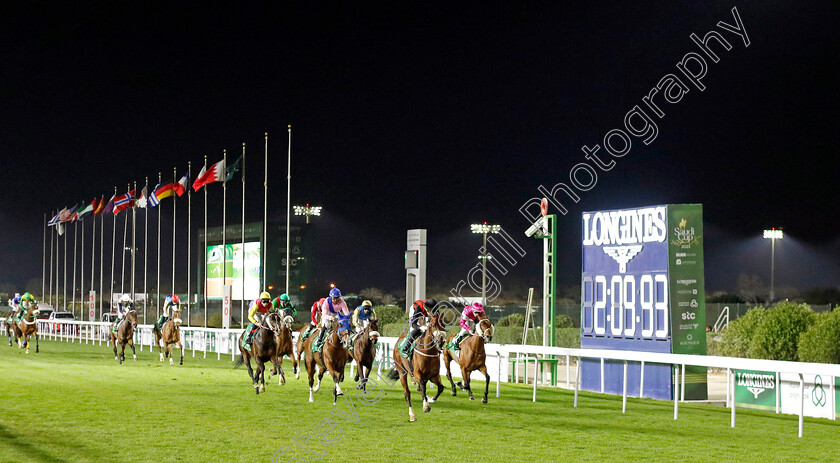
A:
(319, 341)
(406, 348)
(456, 343)
(246, 340)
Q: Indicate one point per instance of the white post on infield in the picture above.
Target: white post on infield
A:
(577, 381)
(676, 390)
(801, 403)
(624, 390)
(731, 390)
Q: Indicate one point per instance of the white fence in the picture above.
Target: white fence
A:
(223, 342)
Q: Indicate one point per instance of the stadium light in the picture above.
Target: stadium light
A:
(484, 229)
(773, 235)
(307, 211)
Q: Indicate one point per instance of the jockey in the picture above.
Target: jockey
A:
(171, 302)
(315, 315)
(259, 309)
(332, 307)
(15, 305)
(421, 308)
(123, 307)
(26, 301)
(363, 315)
(468, 317)
(283, 305)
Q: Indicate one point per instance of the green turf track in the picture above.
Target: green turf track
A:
(74, 403)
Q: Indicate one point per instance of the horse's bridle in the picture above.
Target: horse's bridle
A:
(484, 334)
(437, 341)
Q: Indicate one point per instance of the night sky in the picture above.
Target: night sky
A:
(429, 116)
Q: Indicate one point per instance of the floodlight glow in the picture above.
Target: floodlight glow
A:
(484, 228)
(773, 234)
(307, 210)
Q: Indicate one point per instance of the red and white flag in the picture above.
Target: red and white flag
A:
(182, 184)
(216, 173)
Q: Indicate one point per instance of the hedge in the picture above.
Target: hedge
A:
(821, 342)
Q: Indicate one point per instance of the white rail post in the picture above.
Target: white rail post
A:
(779, 392)
(624, 390)
(682, 384)
(499, 375)
(801, 403)
(732, 395)
(602, 375)
(676, 390)
(728, 374)
(577, 381)
(536, 377)
(568, 373)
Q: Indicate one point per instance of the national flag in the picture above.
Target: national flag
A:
(144, 197)
(182, 184)
(54, 220)
(60, 228)
(85, 210)
(109, 208)
(216, 173)
(67, 214)
(100, 206)
(124, 202)
(161, 192)
(232, 169)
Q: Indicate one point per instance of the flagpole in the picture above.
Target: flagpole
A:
(44, 261)
(133, 243)
(189, 237)
(264, 248)
(75, 245)
(288, 208)
(174, 180)
(82, 275)
(64, 289)
(146, 254)
(101, 258)
(122, 251)
(224, 224)
(157, 298)
(52, 242)
(204, 251)
(93, 252)
(113, 255)
(57, 258)
(242, 271)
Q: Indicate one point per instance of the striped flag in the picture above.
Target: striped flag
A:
(67, 214)
(216, 173)
(144, 197)
(124, 202)
(100, 206)
(182, 184)
(85, 210)
(54, 220)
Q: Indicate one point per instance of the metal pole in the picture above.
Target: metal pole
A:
(64, 290)
(75, 245)
(93, 252)
(52, 242)
(772, 266)
(101, 260)
(263, 247)
(189, 237)
(484, 274)
(82, 276)
(113, 254)
(157, 286)
(204, 251)
(134, 247)
(288, 208)
(122, 252)
(174, 179)
(146, 256)
(242, 271)
(44, 261)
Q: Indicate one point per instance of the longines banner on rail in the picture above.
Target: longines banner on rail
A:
(642, 289)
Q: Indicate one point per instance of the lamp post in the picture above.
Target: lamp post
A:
(484, 229)
(773, 235)
(307, 211)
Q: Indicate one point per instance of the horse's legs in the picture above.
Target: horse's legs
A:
(114, 341)
(483, 370)
(181, 345)
(169, 347)
(37, 347)
(404, 381)
(26, 342)
(422, 384)
(133, 352)
(278, 367)
(310, 371)
(122, 352)
(259, 383)
(157, 342)
(247, 359)
(295, 365)
(467, 387)
(447, 359)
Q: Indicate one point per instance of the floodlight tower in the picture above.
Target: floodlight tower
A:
(773, 235)
(484, 229)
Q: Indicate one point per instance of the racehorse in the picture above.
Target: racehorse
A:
(263, 350)
(364, 351)
(333, 357)
(27, 327)
(299, 347)
(170, 334)
(286, 347)
(424, 364)
(472, 357)
(125, 335)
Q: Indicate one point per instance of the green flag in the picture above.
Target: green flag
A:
(232, 169)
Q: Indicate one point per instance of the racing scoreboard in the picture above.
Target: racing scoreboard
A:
(642, 289)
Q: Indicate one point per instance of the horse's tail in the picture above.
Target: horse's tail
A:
(239, 361)
(393, 374)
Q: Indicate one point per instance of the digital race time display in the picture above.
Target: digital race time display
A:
(641, 280)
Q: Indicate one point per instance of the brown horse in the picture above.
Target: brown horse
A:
(263, 350)
(286, 347)
(333, 357)
(125, 335)
(472, 357)
(364, 351)
(423, 366)
(299, 347)
(27, 327)
(170, 334)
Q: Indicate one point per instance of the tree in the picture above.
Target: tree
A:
(751, 288)
(374, 294)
